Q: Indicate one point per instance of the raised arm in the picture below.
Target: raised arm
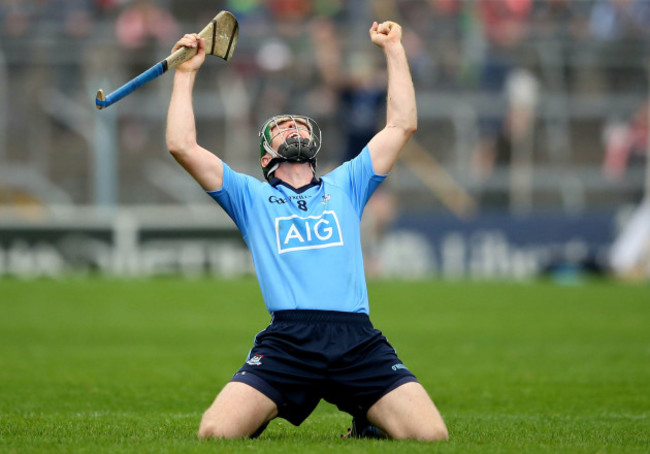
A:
(205, 167)
(401, 110)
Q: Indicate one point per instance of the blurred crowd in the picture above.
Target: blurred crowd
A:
(314, 57)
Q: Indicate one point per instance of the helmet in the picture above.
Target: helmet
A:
(296, 148)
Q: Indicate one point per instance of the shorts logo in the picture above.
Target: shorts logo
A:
(399, 366)
(295, 233)
(255, 360)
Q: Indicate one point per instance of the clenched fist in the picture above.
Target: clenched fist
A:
(385, 33)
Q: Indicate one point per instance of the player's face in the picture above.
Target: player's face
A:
(289, 128)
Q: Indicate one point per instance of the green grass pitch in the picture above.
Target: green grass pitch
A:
(101, 365)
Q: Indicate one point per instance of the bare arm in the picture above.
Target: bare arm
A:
(205, 167)
(401, 109)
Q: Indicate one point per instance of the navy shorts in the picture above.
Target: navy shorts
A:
(305, 356)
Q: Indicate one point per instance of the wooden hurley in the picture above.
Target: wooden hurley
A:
(220, 37)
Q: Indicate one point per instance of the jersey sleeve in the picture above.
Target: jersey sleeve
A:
(235, 195)
(359, 179)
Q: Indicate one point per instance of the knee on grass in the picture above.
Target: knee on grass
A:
(209, 429)
(439, 433)
(430, 434)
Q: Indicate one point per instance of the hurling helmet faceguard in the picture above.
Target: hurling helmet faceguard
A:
(295, 147)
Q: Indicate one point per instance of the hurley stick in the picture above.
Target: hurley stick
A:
(220, 39)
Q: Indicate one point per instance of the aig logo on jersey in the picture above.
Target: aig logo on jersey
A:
(295, 233)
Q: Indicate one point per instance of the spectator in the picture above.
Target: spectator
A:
(626, 144)
(617, 19)
(506, 25)
(144, 21)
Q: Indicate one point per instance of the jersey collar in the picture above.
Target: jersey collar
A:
(275, 182)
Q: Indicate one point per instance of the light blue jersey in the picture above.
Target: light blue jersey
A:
(306, 244)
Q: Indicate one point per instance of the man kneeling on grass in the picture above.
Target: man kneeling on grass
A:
(304, 236)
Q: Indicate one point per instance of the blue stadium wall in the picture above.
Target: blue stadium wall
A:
(491, 246)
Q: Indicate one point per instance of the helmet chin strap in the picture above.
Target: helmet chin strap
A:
(275, 162)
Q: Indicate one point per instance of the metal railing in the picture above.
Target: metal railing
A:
(56, 121)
